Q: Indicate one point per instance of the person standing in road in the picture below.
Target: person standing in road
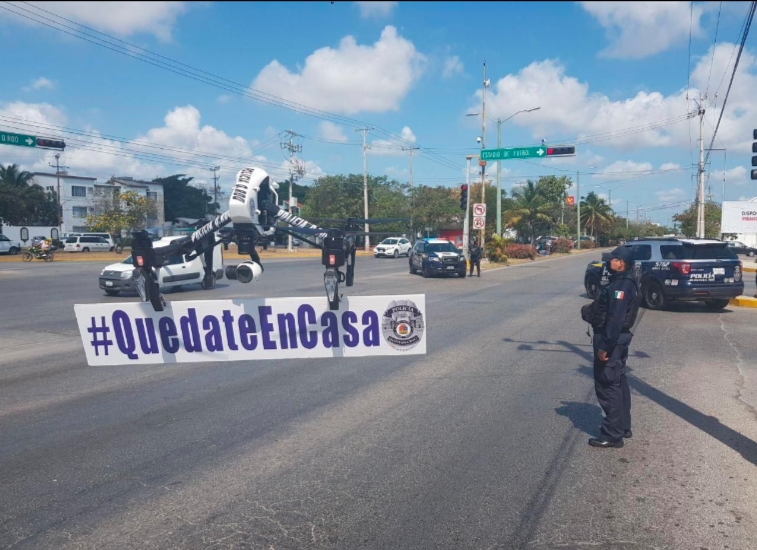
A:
(475, 257)
(614, 315)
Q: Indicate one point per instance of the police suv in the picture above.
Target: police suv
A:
(670, 268)
(437, 257)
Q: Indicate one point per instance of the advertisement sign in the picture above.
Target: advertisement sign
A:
(739, 217)
(251, 330)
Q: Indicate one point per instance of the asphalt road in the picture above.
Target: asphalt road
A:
(481, 443)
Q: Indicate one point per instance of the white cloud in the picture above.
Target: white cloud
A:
(224, 98)
(733, 176)
(351, 78)
(332, 132)
(452, 66)
(120, 18)
(670, 166)
(620, 167)
(569, 109)
(41, 83)
(20, 117)
(393, 147)
(672, 195)
(376, 9)
(640, 29)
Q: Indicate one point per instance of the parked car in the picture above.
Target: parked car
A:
(741, 248)
(669, 268)
(437, 257)
(393, 246)
(87, 244)
(174, 274)
(8, 246)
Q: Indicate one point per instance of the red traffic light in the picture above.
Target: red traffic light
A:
(464, 187)
(568, 150)
(51, 143)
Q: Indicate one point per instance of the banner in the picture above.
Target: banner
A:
(249, 330)
(739, 217)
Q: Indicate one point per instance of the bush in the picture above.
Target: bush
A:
(494, 249)
(562, 246)
(126, 241)
(588, 244)
(521, 251)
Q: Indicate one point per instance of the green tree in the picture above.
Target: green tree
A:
(181, 200)
(688, 220)
(11, 175)
(527, 210)
(596, 214)
(116, 212)
(436, 207)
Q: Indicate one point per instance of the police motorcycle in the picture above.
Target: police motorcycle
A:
(254, 213)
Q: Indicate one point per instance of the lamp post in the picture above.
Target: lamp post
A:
(499, 122)
(215, 189)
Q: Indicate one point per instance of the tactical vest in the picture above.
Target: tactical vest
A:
(595, 313)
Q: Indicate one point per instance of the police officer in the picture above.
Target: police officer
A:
(618, 306)
(475, 257)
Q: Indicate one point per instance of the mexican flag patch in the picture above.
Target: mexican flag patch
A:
(619, 294)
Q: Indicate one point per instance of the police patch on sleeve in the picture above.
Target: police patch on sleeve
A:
(619, 294)
(402, 325)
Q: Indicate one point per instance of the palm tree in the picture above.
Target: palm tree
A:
(10, 175)
(595, 213)
(528, 207)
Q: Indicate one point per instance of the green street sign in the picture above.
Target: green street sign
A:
(514, 153)
(7, 138)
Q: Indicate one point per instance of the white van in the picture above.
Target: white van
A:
(176, 273)
(87, 243)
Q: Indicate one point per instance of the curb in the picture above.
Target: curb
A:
(749, 269)
(546, 259)
(743, 301)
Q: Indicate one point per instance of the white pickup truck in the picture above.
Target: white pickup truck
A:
(8, 246)
(177, 272)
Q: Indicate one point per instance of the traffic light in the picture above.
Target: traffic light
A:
(564, 151)
(464, 197)
(51, 143)
(754, 150)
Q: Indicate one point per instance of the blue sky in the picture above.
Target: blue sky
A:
(601, 73)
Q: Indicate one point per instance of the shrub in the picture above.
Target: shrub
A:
(562, 246)
(494, 249)
(588, 244)
(521, 251)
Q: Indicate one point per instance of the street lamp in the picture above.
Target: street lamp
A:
(499, 122)
(215, 189)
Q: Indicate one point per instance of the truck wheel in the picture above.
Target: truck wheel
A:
(13, 251)
(425, 272)
(654, 295)
(112, 292)
(396, 254)
(592, 285)
(412, 269)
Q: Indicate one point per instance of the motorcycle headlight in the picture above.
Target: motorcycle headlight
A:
(126, 274)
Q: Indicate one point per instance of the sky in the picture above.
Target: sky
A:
(149, 89)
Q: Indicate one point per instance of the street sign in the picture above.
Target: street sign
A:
(21, 140)
(513, 153)
(528, 152)
(570, 200)
(479, 209)
(479, 222)
(482, 163)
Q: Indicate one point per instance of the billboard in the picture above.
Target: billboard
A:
(739, 217)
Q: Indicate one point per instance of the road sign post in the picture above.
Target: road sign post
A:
(479, 216)
(23, 140)
(514, 153)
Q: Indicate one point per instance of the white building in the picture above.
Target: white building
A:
(77, 194)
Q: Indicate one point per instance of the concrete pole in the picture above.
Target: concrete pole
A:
(700, 193)
(466, 225)
(578, 204)
(57, 174)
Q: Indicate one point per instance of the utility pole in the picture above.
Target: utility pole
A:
(412, 195)
(215, 189)
(626, 214)
(499, 185)
(296, 170)
(57, 174)
(700, 192)
(483, 146)
(365, 130)
(578, 205)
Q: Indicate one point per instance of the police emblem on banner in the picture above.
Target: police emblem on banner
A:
(402, 325)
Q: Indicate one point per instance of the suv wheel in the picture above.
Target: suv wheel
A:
(412, 268)
(592, 285)
(85, 249)
(654, 295)
(425, 272)
(396, 253)
(750, 253)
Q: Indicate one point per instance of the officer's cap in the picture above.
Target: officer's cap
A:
(623, 253)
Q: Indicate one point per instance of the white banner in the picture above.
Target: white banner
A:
(739, 217)
(248, 330)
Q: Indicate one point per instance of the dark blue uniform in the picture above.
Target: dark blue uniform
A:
(475, 258)
(614, 338)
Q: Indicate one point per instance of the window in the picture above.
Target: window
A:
(80, 211)
(80, 228)
(707, 252)
(671, 252)
(78, 191)
(152, 195)
(4, 238)
(89, 239)
(72, 240)
(441, 247)
(642, 252)
(419, 247)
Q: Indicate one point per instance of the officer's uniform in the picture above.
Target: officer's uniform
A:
(619, 301)
(475, 258)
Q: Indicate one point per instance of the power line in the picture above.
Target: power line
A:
(714, 43)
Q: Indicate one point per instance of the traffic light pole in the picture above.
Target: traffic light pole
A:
(466, 227)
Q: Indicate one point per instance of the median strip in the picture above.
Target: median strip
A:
(743, 301)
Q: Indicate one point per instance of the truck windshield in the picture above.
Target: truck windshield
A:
(440, 247)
